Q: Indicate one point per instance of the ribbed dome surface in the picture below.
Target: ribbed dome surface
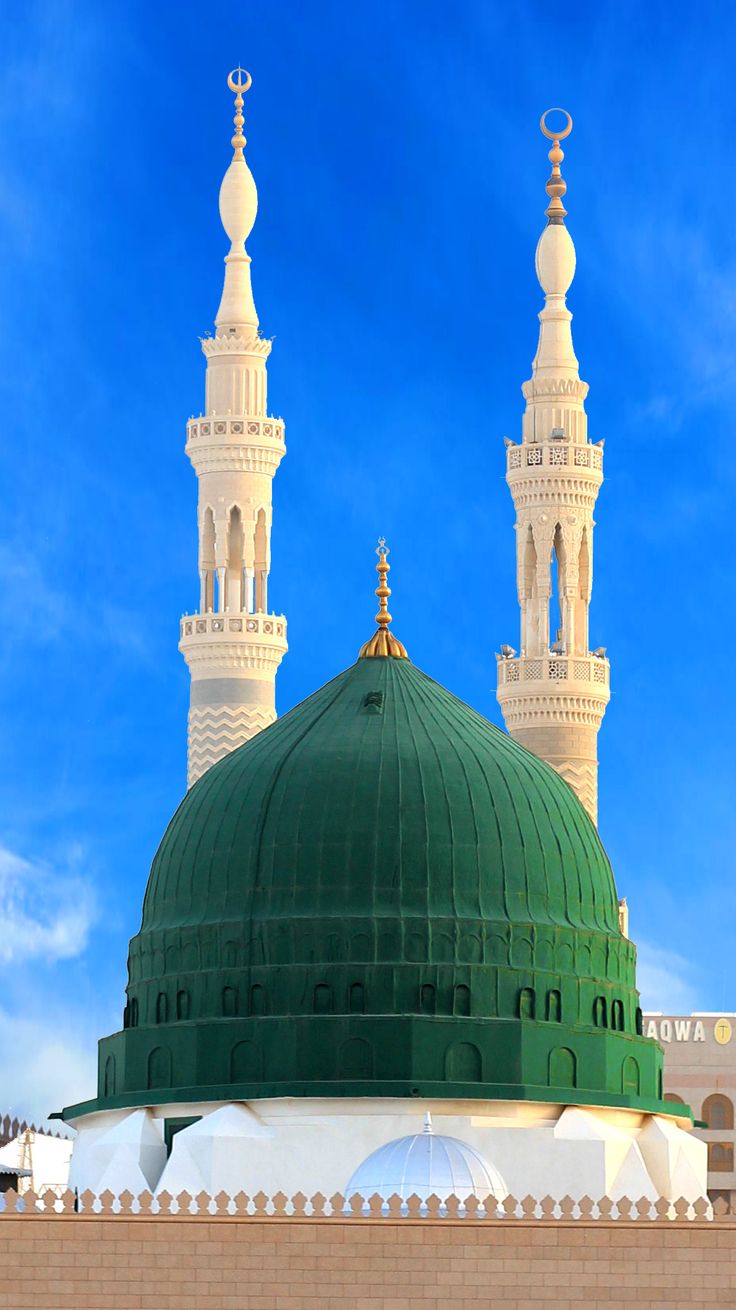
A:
(381, 895)
(382, 795)
(426, 1164)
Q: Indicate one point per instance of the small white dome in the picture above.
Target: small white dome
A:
(426, 1164)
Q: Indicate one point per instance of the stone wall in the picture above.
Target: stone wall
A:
(104, 1261)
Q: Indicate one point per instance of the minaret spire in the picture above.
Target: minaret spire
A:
(233, 645)
(554, 694)
(238, 209)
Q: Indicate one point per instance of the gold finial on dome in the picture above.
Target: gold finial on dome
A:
(556, 186)
(239, 81)
(383, 642)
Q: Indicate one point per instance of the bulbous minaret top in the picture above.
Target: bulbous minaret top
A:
(554, 694)
(238, 209)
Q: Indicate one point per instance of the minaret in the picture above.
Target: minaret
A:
(554, 694)
(233, 645)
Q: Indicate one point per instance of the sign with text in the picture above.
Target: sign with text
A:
(688, 1030)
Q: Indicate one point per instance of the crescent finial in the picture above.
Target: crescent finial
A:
(556, 186)
(556, 136)
(240, 86)
(239, 81)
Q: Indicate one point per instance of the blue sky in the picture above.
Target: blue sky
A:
(401, 176)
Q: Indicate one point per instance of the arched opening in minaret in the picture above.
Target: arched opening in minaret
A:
(261, 562)
(207, 563)
(581, 602)
(530, 615)
(234, 599)
(558, 627)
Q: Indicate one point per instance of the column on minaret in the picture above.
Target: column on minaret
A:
(554, 693)
(233, 646)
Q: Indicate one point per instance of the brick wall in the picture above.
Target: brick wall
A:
(178, 1262)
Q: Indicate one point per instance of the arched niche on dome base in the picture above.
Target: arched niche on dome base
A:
(522, 953)
(332, 948)
(630, 1077)
(230, 954)
(443, 947)
(565, 958)
(553, 1011)
(255, 952)
(229, 1002)
(159, 1071)
(463, 1063)
(461, 1000)
(598, 961)
(246, 1062)
(416, 945)
(471, 948)
(526, 1005)
(361, 948)
(355, 1058)
(562, 1068)
(544, 952)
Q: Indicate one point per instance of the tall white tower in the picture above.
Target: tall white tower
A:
(233, 645)
(554, 694)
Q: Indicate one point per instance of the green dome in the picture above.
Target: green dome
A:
(381, 895)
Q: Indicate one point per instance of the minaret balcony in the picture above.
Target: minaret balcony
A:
(234, 640)
(581, 674)
(218, 443)
(571, 456)
(216, 427)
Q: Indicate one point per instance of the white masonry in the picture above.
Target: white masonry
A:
(554, 694)
(233, 645)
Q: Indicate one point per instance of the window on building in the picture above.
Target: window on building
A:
(720, 1157)
(672, 1096)
(718, 1112)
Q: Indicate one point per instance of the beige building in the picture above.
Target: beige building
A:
(700, 1069)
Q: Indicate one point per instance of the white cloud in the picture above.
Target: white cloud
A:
(665, 980)
(44, 914)
(46, 1063)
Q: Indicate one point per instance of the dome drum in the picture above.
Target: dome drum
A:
(368, 1055)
